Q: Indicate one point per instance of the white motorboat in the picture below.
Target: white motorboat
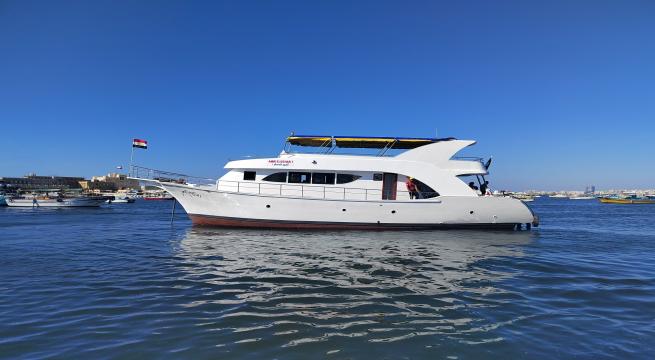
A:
(157, 195)
(335, 191)
(120, 199)
(45, 201)
(582, 197)
(559, 196)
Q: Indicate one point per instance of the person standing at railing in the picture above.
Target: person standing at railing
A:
(411, 188)
(484, 189)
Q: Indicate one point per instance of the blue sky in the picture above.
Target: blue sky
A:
(561, 93)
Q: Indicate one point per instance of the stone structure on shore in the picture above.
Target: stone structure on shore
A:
(110, 182)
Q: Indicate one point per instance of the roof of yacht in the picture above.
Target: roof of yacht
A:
(368, 142)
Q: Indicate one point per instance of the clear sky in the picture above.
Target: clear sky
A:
(561, 93)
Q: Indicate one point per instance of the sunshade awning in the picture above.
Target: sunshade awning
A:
(308, 140)
(362, 141)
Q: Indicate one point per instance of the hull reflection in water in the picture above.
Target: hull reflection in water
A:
(290, 288)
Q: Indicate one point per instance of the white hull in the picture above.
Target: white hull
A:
(583, 198)
(212, 207)
(120, 201)
(72, 202)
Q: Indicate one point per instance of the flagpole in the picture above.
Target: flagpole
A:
(131, 157)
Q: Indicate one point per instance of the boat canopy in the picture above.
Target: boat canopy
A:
(362, 142)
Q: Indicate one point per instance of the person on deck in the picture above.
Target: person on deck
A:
(484, 189)
(411, 188)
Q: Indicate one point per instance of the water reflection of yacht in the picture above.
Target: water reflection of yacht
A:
(291, 288)
(423, 262)
(336, 191)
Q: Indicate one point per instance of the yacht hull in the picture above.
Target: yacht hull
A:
(219, 221)
(229, 209)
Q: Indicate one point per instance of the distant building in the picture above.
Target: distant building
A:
(110, 182)
(32, 182)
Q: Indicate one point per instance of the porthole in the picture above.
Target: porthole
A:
(393, 211)
(268, 206)
(343, 209)
(471, 212)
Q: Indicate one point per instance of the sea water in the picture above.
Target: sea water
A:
(122, 281)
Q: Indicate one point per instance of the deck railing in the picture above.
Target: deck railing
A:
(310, 191)
(140, 172)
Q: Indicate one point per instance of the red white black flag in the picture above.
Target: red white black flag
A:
(143, 144)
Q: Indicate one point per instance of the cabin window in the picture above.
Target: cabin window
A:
(377, 177)
(300, 177)
(276, 177)
(323, 178)
(424, 191)
(346, 178)
(249, 175)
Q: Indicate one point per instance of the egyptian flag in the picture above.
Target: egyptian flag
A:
(138, 143)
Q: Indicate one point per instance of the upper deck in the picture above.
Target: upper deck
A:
(328, 144)
(418, 153)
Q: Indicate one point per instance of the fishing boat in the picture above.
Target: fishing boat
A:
(59, 201)
(631, 199)
(523, 197)
(327, 190)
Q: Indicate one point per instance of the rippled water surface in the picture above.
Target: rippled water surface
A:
(120, 281)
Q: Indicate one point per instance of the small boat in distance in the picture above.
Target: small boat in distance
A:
(158, 195)
(582, 197)
(3, 201)
(120, 199)
(631, 199)
(523, 197)
(37, 201)
(559, 196)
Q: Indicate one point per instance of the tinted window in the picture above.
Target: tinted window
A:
(425, 192)
(276, 177)
(377, 177)
(323, 178)
(300, 177)
(346, 178)
(249, 175)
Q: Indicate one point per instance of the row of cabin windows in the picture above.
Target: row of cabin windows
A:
(304, 177)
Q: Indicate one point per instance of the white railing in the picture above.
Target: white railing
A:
(140, 172)
(312, 191)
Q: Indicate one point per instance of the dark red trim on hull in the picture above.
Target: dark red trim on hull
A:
(220, 221)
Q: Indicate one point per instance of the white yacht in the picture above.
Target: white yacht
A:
(326, 190)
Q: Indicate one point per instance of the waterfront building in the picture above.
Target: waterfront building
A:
(33, 182)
